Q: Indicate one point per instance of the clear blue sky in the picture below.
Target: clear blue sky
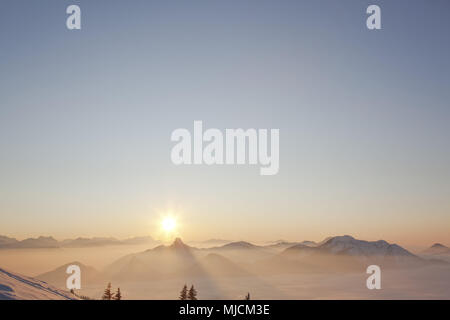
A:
(86, 118)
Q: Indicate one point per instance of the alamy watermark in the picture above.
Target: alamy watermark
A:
(235, 146)
(73, 21)
(374, 281)
(74, 280)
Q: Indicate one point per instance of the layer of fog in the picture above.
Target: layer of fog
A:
(32, 262)
(423, 283)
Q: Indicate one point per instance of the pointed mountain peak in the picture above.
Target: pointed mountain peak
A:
(178, 241)
(179, 244)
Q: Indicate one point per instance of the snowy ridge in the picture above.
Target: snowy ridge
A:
(359, 250)
(18, 287)
(349, 245)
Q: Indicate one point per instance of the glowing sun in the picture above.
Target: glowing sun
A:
(168, 224)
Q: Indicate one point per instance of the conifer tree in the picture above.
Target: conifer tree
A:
(118, 295)
(107, 294)
(192, 295)
(183, 293)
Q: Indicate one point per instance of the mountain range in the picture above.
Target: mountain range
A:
(345, 253)
(50, 242)
(237, 259)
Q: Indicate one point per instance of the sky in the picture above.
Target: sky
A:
(86, 118)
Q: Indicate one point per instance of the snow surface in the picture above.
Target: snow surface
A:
(17, 287)
(352, 246)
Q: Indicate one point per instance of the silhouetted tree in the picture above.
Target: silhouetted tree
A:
(247, 297)
(107, 294)
(183, 293)
(192, 294)
(118, 295)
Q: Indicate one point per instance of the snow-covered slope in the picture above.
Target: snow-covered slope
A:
(349, 245)
(17, 287)
(350, 252)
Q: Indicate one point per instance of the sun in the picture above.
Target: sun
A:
(168, 224)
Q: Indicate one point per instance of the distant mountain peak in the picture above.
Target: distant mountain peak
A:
(179, 244)
(178, 241)
(239, 244)
(438, 245)
(437, 248)
(46, 237)
(344, 238)
(348, 245)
